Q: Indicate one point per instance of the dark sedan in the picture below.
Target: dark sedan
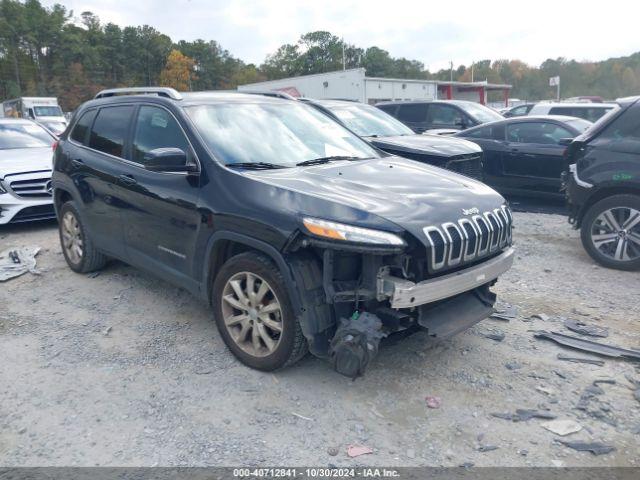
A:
(524, 155)
(388, 134)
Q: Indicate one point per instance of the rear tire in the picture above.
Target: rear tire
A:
(610, 232)
(253, 312)
(78, 249)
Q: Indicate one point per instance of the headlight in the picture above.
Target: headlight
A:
(350, 233)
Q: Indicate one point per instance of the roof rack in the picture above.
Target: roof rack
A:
(269, 93)
(159, 91)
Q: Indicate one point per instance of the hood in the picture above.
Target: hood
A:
(23, 160)
(388, 192)
(432, 145)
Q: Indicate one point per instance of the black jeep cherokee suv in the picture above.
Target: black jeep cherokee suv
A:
(603, 186)
(299, 233)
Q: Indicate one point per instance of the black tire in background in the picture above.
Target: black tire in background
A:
(87, 258)
(289, 344)
(613, 246)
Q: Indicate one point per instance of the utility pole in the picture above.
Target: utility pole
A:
(451, 71)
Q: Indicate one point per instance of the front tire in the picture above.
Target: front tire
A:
(610, 232)
(77, 247)
(254, 315)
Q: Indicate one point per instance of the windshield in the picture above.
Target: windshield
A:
(369, 121)
(282, 134)
(47, 111)
(23, 135)
(481, 113)
(601, 121)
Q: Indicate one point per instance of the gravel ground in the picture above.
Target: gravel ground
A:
(126, 370)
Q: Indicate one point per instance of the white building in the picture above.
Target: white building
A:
(353, 84)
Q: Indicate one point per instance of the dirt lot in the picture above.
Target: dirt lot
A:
(124, 369)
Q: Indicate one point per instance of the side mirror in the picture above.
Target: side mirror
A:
(168, 160)
(565, 142)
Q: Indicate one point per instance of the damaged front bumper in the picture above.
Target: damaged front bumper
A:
(403, 293)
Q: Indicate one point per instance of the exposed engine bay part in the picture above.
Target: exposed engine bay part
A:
(589, 346)
(406, 294)
(355, 344)
(458, 313)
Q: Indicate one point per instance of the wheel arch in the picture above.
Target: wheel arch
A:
(225, 244)
(302, 274)
(602, 193)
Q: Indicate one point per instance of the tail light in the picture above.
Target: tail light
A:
(54, 145)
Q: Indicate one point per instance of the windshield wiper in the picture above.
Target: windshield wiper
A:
(332, 158)
(256, 165)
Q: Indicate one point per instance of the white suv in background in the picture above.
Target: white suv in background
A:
(585, 110)
(25, 171)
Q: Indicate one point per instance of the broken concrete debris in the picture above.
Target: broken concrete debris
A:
(596, 448)
(586, 329)
(562, 427)
(589, 346)
(497, 336)
(433, 402)
(357, 450)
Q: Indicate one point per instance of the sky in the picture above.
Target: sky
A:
(434, 33)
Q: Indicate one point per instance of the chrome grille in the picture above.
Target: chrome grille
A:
(30, 185)
(468, 239)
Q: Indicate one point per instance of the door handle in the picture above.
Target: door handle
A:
(77, 162)
(127, 180)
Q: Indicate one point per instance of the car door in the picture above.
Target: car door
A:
(98, 141)
(161, 220)
(413, 115)
(533, 161)
(442, 115)
(491, 139)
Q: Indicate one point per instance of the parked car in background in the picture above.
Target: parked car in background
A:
(586, 110)
(518, 110)
(298, 232)
(394, 137)
(25, 171)
(447, 115)
(603, 187)
(524, 155)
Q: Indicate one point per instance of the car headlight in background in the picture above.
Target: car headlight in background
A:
(350, 233)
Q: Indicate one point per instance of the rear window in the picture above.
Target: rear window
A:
(80, 130)
(110, 130)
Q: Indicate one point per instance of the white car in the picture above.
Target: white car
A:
(584, 110)
(26, 154)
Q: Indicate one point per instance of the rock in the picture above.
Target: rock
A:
(562, 427)
(333, 451)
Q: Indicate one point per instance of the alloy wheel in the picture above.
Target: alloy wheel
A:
(72, 237)
(615, 233)
(252, 314)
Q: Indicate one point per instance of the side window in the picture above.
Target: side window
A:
(79, 133)
(491, 132)
(390, 109)
(412, 112)
(440, 114)
(156, 128)
(521, 110)
(536, 132)
(110, 130)
(626, 126)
